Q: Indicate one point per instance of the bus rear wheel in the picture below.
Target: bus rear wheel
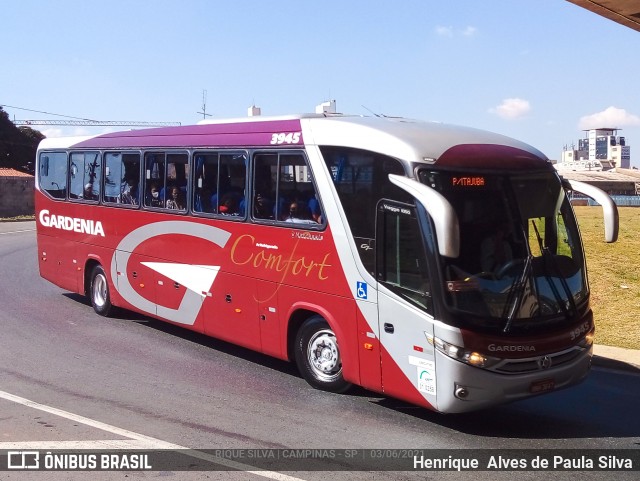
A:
(99, 292)
(318, 356)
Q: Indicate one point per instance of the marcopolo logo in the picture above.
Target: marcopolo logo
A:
(197, 279)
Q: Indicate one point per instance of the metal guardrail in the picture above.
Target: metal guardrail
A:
(621, 200)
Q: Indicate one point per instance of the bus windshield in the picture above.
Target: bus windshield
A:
(521, 259)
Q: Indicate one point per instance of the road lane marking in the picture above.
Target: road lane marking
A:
(17, 231)
(138, 441)
(103, 444)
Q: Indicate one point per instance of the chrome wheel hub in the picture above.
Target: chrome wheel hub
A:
(324, 355)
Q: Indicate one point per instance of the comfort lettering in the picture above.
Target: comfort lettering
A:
(288, 265)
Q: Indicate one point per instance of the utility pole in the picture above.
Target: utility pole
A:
(204, 106)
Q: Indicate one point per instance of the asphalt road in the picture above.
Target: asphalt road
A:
(133, 379)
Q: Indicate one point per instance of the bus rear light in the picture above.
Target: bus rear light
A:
(458, 353)
(368, 346)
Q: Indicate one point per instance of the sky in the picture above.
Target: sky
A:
(540, 71)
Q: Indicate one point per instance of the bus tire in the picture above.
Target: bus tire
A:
(318, 356)
(99, 292)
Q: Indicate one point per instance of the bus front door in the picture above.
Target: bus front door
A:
(404, 306)
(406, 357)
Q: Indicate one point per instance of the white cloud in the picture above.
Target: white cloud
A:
(512, 108)
(451, 32)
(444, 31)
(469, 31)
(610, 117)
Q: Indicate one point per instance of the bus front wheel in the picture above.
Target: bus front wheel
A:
(99, 292)
(318, 356)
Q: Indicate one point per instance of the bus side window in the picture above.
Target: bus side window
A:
(205, 178)
(154, 165)
(175, 185)
(122, 178)
(52, 174)
(361, 179)
(130, 180)
(402, 261)
(85, 176)
(264, 185)
(232, 182)
(166, 178)
(283, 189)
(219, 183)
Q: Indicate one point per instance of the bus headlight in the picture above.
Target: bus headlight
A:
(473, 358)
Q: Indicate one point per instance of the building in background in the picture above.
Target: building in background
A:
(601, 149)
(16, 193)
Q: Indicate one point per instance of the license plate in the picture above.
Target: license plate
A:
(542, 386)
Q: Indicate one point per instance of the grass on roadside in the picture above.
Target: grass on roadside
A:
(18, 218)
(614, 276)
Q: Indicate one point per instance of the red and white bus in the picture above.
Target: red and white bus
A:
(436, 264)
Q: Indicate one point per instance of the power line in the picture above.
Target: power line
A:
(79, 121)
(46, 113)
(97, 123)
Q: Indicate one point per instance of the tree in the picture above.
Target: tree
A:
(17, 145)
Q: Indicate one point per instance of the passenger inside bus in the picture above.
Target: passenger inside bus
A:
(314, 207)
(129, 194)
(230, 204)
(154, 199)
(299, 213)
(262, 207)
(88, 192)
(177, 200)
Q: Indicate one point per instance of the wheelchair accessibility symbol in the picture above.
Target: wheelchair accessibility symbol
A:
(362, 290)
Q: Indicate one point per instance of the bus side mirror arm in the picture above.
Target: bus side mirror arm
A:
(441, 211)
(609, 209)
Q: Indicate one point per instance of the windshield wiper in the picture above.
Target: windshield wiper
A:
(517, 294)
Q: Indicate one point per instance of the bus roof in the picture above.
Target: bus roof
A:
(411, 140)
(420, 141)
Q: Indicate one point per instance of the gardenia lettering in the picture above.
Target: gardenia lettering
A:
(495, 348)
(83, 226)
